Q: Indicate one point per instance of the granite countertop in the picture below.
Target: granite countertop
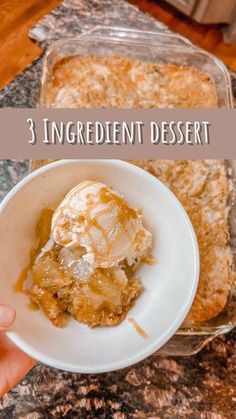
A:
(200, 386)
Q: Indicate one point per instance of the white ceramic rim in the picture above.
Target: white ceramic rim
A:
(179, 319)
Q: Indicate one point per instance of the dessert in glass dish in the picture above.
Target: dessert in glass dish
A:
(204, 189)
(120, 82)
(125, 68)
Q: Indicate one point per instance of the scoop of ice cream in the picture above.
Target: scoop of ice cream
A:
(99, 222)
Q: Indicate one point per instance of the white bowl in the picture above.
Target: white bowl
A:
(170, 285)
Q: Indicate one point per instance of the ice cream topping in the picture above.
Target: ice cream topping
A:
(98, 221)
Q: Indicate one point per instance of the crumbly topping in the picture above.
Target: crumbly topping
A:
(119, 82)
(203, 189)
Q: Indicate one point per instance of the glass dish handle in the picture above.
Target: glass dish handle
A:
(180, 345)
(159, 36)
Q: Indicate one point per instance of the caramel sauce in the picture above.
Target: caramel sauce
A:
(150, 260)
(32, 306)
(125, 212)
(138, 328)
(112, 201)
(19, 285)
(42, 233)
(106, 197)
(43, 227)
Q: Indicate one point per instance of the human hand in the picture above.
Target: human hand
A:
(14, 364)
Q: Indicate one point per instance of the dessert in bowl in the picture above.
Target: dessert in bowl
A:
(168, 286)
(86, 256)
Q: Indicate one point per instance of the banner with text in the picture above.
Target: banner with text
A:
(117, 133)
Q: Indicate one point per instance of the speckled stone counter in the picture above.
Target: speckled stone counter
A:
(200, 386)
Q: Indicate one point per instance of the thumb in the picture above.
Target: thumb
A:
(7, 316)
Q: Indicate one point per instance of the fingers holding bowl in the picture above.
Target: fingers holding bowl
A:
(7, 316)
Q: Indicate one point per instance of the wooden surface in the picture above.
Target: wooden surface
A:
(18, 16)
(208, 37)
(16, 49)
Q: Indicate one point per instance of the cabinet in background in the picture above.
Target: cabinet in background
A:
(207, 11)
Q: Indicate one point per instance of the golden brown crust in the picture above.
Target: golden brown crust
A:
(81, 309)
(203, 189)
(119, 82)
(49, 305)
(56, 298)
(103, 300)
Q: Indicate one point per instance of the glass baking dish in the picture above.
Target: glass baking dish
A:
(162, 47)
(188, 341)
(156, 46)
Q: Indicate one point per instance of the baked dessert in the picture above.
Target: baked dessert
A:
(203, 189)
(119, 82)
(86, 258)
